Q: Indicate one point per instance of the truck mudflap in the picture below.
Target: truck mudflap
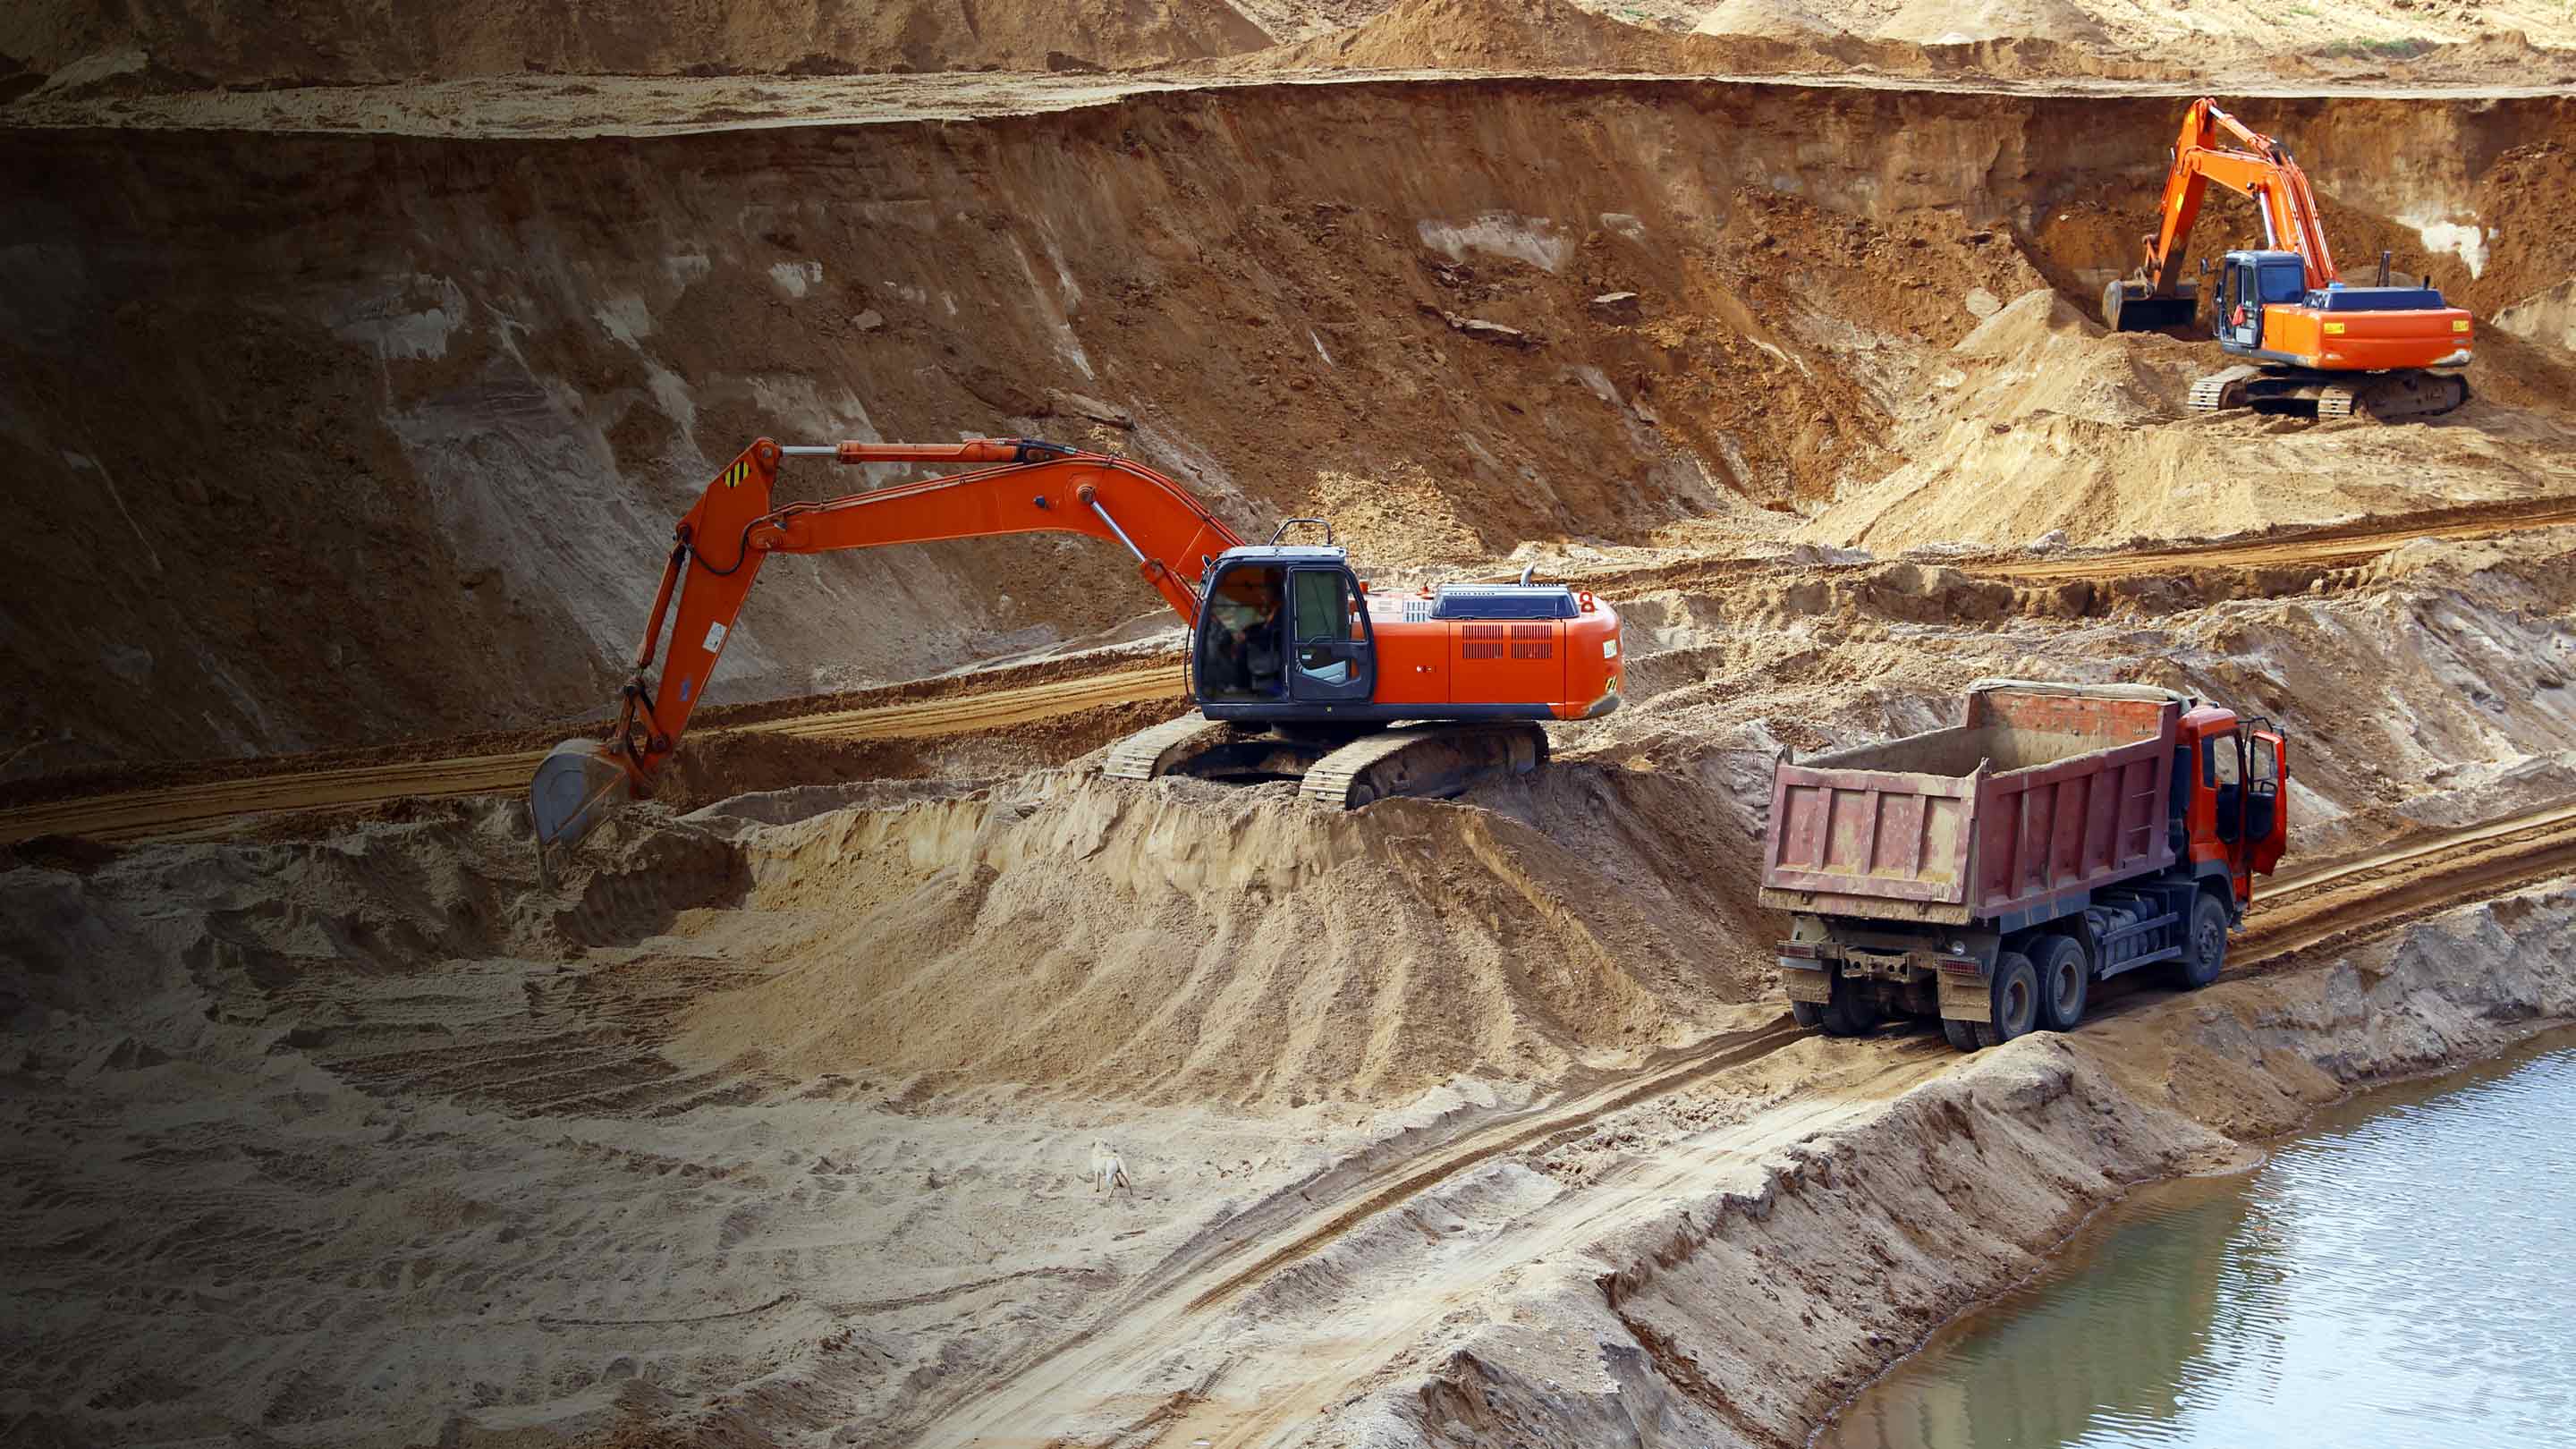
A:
(1808, 981)
(1964, 997)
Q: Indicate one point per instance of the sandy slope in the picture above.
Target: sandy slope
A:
(768, 1120)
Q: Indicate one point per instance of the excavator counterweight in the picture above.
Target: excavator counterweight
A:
(1296, 667)
(2387, 352)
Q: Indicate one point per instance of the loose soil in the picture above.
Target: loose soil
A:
(362, 369)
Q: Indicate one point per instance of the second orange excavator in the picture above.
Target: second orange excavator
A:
(2380, 351)
(1298, 670)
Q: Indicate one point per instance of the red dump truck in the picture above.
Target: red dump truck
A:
(1990, 873)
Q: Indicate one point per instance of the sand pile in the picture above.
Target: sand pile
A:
(2044, 423)
(1192, 942)
(1482, 35)
(1942, 22)
(1402, 517)
(2546, 317)
(2385, 32)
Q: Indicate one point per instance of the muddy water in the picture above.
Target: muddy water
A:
(2396, 1276)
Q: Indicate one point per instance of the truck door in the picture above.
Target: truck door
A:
(1333, 654)
(2222, 778)
(2267, 804)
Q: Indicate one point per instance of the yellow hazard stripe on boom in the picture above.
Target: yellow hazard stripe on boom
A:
(734, 475)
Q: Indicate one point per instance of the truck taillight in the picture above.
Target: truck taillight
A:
(1803, 950)
(1963, 965)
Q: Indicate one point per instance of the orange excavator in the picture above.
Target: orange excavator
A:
(1297, 669)
(2379, 351)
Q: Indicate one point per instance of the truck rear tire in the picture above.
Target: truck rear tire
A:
(2204, 951)
(2065, 981)
(1962, 1034)
(1852, 1012)
(1806, 1013)
(2015, 997)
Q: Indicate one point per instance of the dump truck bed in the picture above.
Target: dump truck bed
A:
(2042, 793)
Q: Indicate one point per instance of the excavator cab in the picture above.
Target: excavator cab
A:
(1283, 632)
(2248, 283)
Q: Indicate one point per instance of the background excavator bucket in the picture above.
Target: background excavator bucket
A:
(2128, 306)
(577, 785)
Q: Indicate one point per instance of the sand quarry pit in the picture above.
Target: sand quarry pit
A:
(359, 365)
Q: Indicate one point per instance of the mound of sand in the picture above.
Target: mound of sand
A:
(1945, 22)
(1194, 942)
(2382, 31)
(2044, 422)
(2547, 317)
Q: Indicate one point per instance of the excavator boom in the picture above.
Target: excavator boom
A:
(735, 526)
(2261, 169)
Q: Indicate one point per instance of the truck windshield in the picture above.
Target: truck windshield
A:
(2283, 282)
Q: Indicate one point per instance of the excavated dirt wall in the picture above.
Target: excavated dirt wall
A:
(447, 395)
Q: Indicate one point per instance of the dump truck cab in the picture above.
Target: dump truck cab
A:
(2228, 775)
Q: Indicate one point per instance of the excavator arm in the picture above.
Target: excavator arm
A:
(721, 543)
(2260, 168)
(2255, 166)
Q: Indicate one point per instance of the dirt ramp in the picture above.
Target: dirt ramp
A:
(1182, 941)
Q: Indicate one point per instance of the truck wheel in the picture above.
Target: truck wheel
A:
(1852, 1012)
(2016, 1001)
(2204, 951)
(2065, 979)
(1962, 1034)
(1806, 1013)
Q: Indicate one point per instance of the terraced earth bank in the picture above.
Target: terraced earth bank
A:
(510, 364)
(358, 414)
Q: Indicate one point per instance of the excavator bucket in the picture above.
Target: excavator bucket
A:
(2129, 306)
(577, 784)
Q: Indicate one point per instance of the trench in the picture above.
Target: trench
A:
(2388, 1275)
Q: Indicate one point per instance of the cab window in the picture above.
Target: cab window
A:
(2283, 282)
(2219, 770)
(1323, 607)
